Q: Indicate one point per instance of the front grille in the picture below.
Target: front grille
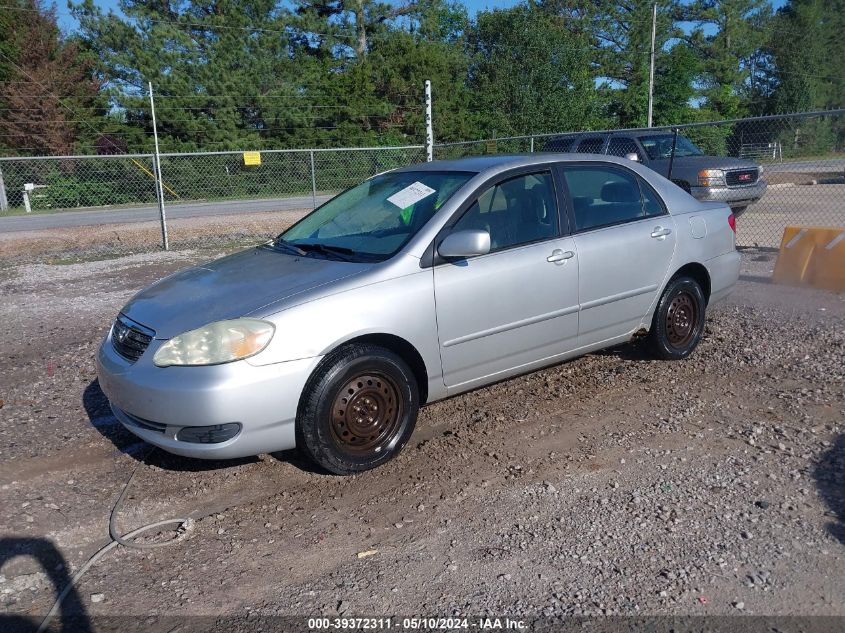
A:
(130, 339)
(741, 177)
(145, 424)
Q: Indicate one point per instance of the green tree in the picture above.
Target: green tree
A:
(623, 30)
(728, 38)
(48, 91)
(221, 71)
(807, 45)
(432, 48)
(530, 73)
(674, 77)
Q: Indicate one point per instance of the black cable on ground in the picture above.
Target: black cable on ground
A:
(185, 524)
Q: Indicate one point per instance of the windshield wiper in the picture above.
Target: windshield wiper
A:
(326, 249)
(280, 244)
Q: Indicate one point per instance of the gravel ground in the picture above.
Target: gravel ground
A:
(612, 484)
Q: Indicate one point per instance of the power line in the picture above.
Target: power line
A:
(290, 31)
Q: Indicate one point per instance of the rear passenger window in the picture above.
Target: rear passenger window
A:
(591, 145)
(651, 203)
(604, 196)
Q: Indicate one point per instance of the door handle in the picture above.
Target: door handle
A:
(659, 232)
(558, 256)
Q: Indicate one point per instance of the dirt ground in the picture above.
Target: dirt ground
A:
(611, 484)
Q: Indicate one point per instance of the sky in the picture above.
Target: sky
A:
(68, 24)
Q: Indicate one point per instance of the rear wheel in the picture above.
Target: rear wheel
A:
(678, 320)
(358, 409)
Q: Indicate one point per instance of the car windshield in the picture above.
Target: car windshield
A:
(660, 146)
(374, 220)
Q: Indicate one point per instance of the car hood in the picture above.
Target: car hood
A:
(231, 287)
(698, 163)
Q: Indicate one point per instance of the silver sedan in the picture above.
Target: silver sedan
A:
(415, 285)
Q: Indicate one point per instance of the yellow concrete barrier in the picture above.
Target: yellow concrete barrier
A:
(812, 256)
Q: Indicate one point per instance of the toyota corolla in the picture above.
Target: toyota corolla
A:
(415, 285)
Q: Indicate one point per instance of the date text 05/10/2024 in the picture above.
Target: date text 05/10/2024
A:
(416, 623)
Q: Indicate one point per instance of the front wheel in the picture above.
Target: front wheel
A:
(358, 409)
(738, 211)
(678, 320)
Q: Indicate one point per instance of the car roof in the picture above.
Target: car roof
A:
(503, 162)
(490, 166)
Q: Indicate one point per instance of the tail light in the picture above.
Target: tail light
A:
(732, 222)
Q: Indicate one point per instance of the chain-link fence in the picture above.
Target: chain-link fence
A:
(773, 171)
(210, 198)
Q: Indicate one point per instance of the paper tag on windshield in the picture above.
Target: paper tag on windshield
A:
(410, 195)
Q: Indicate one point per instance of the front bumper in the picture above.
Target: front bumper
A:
(733, 196)
(154, 403)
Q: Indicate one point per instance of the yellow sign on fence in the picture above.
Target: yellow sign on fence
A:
(252, 159)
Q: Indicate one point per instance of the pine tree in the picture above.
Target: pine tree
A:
(48, 90)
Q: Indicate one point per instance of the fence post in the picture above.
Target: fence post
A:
(429, 131)
(4, 201)
(672, 155)
(313, 182)
(532, 144)
(157, 163)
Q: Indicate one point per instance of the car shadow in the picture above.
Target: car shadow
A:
(299, 461)
(636, 351)
(102, 419)
(72, 614)
(830, 481)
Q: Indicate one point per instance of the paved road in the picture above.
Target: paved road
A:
(803, 205)
(146, 213)
(836, 165)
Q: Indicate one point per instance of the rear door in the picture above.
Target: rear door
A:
(519, 303)
(625, 241)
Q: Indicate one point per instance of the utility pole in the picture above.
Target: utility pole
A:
(651, 70)
(157, 165)
(429, 131)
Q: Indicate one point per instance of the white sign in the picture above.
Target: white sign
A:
(410, 195)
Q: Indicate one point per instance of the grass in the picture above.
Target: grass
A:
(70, 260)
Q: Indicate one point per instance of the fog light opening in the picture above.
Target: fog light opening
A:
(209, 434)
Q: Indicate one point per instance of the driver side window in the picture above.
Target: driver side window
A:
(517, 211)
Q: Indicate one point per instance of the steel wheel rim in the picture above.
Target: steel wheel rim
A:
(681, 320)
(366, 414)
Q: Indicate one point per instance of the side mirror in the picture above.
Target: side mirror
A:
(633, 156)
(465, 244)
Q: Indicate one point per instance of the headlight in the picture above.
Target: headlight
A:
(216, 343)
(711, 178)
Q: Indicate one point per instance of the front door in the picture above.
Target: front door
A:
(625, 241)
(519, 303)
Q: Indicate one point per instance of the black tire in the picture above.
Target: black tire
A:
(678, 321)
(738, 211)
(683, 184)
(383, 401)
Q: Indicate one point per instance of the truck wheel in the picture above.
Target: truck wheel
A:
(683, 184)
(358, 409)
(738, 211)
(678, 321)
